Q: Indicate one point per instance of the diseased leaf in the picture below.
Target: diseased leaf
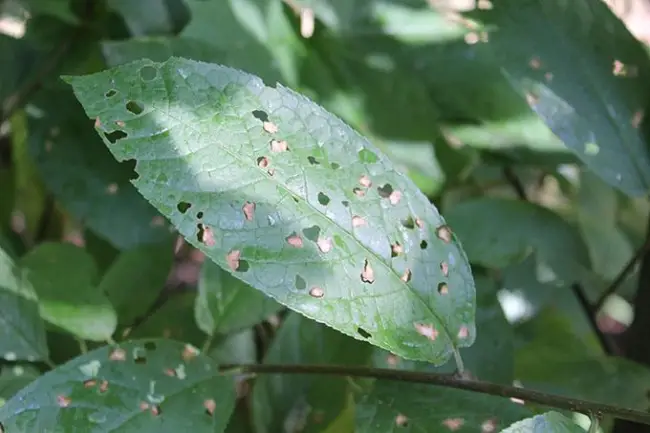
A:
(308, 403)
(286, 197)
(136, 278)
(546, 422)
(64, 278)
(225, 303)
(142, 385)
(22, 332)
(596, 103)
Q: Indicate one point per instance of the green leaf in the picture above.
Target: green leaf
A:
(150, 385)
(159, 49)
(144, 17)
(22, 332)
(508, 231)
(136, 278)
(85, 178)
(595, 104)
(64, 278)
(312, 221)
(225, 303)
(403, 407)
(546, 422)
(55, 8)
(14, 378)
(285, 402)
(236, 348)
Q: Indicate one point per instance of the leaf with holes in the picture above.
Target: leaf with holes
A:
(64, 278)
(155, 385)
(403, 407)
(596, 104)
(546, 422)
(285, 402)
(22, 332)
(291, 200)
(225, 303)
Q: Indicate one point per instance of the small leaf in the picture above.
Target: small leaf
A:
(308, 403)
(225, 303)
(136, 278)
(595, 104)
(64, 278)
(22, 332)
(150, 385)
(357, 284)
(546, 422)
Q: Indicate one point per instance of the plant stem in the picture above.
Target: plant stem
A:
(448, 381)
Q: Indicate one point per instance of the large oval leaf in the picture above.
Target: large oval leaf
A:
(290, 199)
(155, 385)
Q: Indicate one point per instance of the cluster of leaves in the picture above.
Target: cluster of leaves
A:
(295, 155)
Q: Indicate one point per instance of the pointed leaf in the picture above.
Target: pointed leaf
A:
(596, 103)
(64, 278)
(22, 332)
(546, 422)
(289, 199)
(225, 303)
(143, 385)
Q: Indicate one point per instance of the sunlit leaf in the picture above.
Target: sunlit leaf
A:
(546, 422)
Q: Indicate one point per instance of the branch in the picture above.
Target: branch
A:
(446, 380)
(516, 184)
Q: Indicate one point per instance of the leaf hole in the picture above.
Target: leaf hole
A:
(261, 115)
(367, 156)
(199, 215)
(385, 191)
(110, 93)
(114, 136)
(312, 160)
(312, 233)
(148, 73)
(150, 345)
(424, 245)
(183, 206)
(139, 357)
(335, 166)
(323, 199)
(364, 333)
(300, 283)
(134, 107)
(345, 203)
(443, 288)
(244, 266)
(409, 223)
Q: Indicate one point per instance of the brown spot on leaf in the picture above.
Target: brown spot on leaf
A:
(395, 197)
(637, 118)
(535, 63)
(406, 277)
(396, 249)
(170, 372)
(155, 410)
(357, 221)
(453, 424)
(419, 223)
(489, 426)
(316, 292)
(279, 146)
(484, 4)
(207, 235)
(103, 387)
(367, 274)
(98, 122)
(471, 38)
(249, 210)
(189, 352)
(463, 332)
(63, 401)
(548, 76)
(120, 123)
(112, 189)
(294, 240)
(90, 383)
(401, 420)
(444, 233)
(392, 360)
(358, 192)
(444, 268)
(117, 354)
(443, 289)
(262, 162)
(324, 244)
(365, 181)
(619, 68)
(270, 127)
(232, 258)
(531, 99)
(427, 331)
(210, 406)
(144, 406)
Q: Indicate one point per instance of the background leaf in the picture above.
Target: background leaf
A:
(157, 385)
(549, 421)
(298, 221)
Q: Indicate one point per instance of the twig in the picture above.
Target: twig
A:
(516, 184)
(446, 380)
(627, 269)
(606, 342)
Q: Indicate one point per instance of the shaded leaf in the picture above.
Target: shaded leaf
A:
(287, 217)
(64, 278)
(159, 49)
(55, 8)
(596, 103)
(236, 348)
(549, 421)
(305, 402)
(83, 176)
(225, 303)
(22, 332)
(136, 278)
(14, 378)
(155, 385)
(144, 17)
